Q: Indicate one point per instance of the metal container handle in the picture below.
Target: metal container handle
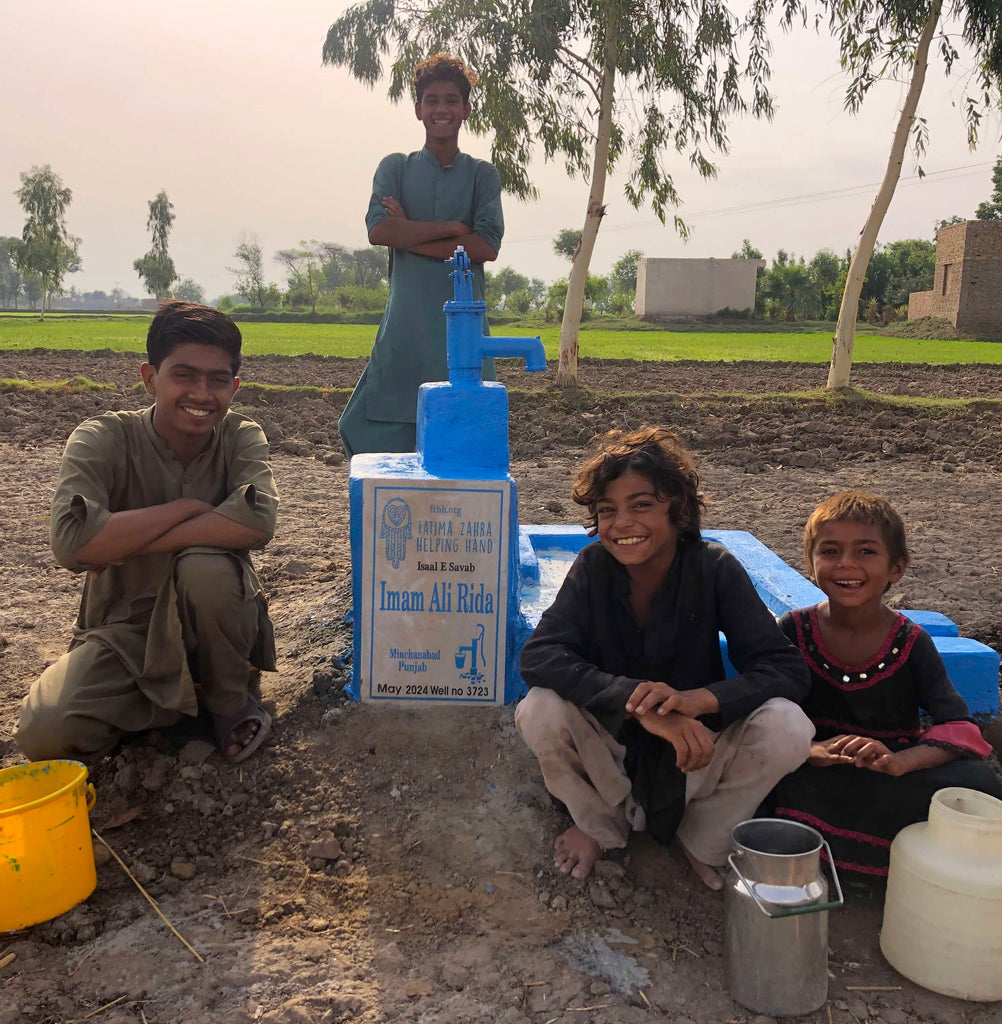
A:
(809, 908)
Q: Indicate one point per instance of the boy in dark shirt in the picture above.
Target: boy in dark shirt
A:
(629, 712)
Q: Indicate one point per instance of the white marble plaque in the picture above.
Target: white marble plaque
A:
(434, 590)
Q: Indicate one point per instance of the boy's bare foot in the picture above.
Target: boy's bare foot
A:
(575, 852)
(711, 877)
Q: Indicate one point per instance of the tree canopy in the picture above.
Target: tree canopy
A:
(304, 267)
(567, 242)
(156, 268)
(746, 252)
(250, 284)
(190, 291)
(623, 276)
(46, 251)
(991, 209)
(593, 84)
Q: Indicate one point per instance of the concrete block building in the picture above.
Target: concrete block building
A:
(677, 287)
(967, 288)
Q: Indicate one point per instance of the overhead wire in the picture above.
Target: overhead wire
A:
(846, 192)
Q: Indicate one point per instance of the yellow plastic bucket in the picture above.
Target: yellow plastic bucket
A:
(46, 852)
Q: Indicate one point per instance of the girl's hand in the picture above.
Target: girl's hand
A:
(863, 750)
(824, 754)
(888, 764)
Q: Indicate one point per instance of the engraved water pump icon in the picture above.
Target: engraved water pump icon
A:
(475, 645)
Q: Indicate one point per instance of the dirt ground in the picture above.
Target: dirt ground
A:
(375, 864)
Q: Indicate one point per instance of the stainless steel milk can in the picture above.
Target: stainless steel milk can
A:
(776, 917)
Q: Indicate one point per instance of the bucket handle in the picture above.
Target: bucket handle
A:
(809, 908)
(91, 796)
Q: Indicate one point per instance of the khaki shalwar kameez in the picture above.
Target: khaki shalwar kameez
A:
(162, 632)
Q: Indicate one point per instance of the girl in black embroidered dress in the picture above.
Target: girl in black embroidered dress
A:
(873, 767)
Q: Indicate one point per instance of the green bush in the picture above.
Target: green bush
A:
(298, 297)
(356, 297)
(518, 302)
(620, 304)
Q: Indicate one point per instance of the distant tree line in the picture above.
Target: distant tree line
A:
(320, 277)
(324, 277)
(328, 277)
(508, 292)
(793, 288)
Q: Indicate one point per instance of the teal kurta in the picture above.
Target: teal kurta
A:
(410, 344)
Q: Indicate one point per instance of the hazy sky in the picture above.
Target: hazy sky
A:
(226, 105)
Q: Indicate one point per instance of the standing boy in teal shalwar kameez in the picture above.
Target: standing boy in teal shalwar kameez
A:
(423, 206)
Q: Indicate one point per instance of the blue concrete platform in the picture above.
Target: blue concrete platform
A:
(545, 553)
(447, 587)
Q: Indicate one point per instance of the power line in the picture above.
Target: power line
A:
(967, 170)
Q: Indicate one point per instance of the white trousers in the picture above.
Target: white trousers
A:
(582, 766)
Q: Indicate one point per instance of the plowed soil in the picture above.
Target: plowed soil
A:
(381, 865)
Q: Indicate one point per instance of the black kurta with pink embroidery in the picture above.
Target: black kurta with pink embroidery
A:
(857, 810)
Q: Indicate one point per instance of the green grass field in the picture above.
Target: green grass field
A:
(128, 333)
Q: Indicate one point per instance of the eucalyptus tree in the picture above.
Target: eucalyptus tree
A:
(887, 39)
(156, 268)
(250, 285)
(593, 83)
(46, 251)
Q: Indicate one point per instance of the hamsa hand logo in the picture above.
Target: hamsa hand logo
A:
(396, 530)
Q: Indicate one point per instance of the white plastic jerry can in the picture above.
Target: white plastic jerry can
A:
(943, 911)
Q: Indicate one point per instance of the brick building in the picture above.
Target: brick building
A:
(967, 288)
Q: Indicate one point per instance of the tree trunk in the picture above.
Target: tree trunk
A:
(845, 330)
(567, 368)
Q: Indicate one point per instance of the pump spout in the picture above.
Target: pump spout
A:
(529, 349)
(466, 344)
